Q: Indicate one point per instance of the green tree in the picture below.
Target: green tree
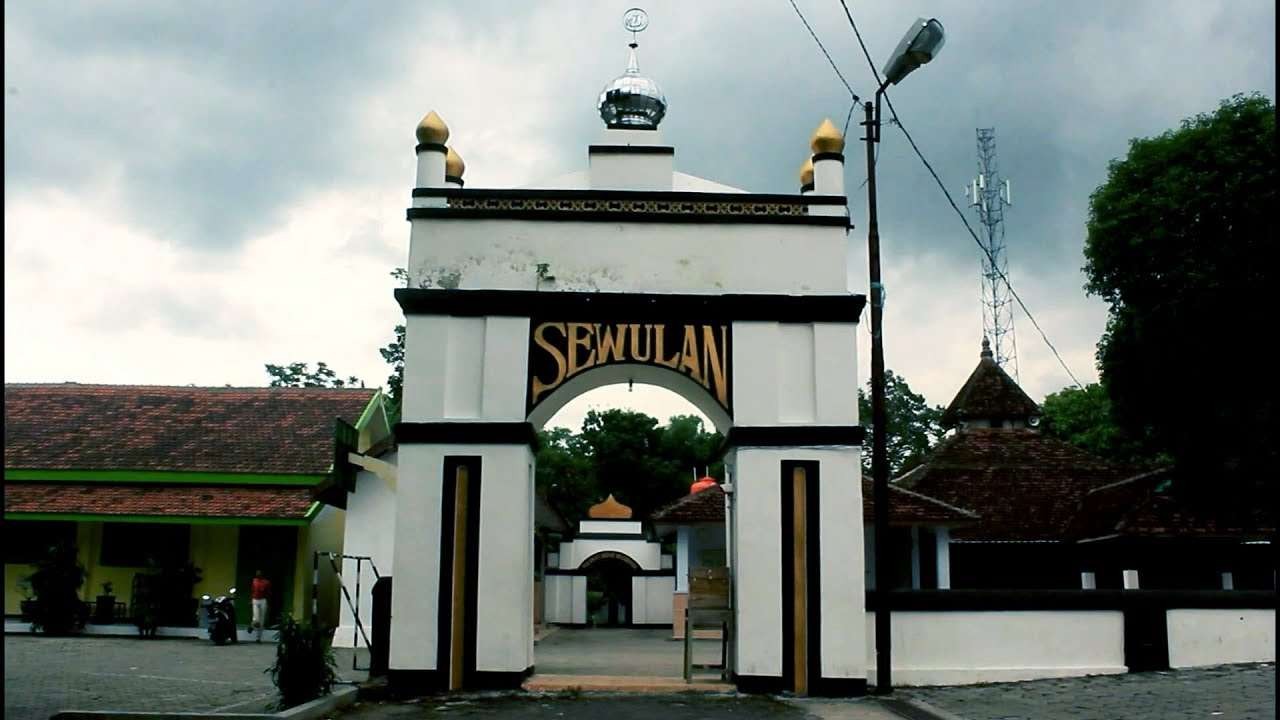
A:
(628, 454)
(1082, 417)
(913, 425)
(1177, 238)
(300, 374)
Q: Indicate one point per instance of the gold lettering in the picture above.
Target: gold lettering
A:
(689, 354)
(716, 361)
(580, 335)
(635, 344)
(659, 331)
(539, 337)
(610, 343)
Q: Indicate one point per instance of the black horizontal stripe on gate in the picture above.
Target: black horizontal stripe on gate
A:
(467, 433)
(794, 435)
(632, 307)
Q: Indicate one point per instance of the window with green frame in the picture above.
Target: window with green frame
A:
(27, 541)
(134, 544)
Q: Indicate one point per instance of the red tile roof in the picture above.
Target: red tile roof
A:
(989, 394)
(905, 508)
(149, 427)
(1023, 485)
(255, 502)
(1141, 506)
(704, 506)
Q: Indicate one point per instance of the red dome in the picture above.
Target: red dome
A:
(702, 484)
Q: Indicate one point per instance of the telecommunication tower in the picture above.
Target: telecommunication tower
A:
(989, 194)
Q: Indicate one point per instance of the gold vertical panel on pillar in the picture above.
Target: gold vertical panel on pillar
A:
(800, 587)
(457, 630)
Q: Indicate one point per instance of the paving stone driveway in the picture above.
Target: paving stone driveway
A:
(1228, 692)
(44, 675)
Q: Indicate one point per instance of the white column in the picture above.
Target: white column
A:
(915, 557)
(1228, 581)
(942, 546)
(1088, 581)
(682, 559)
(1130, 579)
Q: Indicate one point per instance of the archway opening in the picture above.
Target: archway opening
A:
(612, 454)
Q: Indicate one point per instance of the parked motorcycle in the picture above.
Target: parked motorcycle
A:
(220, 615)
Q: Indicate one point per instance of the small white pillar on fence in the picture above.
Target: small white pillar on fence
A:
(1130, 579)
(1088, 581)
(1228, 581)
(915, 557)
(943, 547)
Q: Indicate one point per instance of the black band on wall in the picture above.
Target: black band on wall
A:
(467, 433)
(828, 156)
(433, 147)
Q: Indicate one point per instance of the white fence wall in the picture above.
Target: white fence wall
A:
(1218, 637)
(963, 647)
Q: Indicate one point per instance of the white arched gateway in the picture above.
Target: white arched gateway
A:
(521, 299)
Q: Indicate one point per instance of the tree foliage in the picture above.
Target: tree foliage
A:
(1082, 417)
(300, 375)
(913, 425)
(627, 454)
(56, 584)
(1176, 238)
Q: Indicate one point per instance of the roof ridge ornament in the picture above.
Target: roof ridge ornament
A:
(632, 101)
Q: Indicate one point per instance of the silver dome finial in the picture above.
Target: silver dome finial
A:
(633, 101)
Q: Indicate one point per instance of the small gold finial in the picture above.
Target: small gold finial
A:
(806, 172)
(432, 129)
(827, 138)
(610, 509)
(453, 165)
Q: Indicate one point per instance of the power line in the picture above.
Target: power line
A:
(959, 213)
(823, 48)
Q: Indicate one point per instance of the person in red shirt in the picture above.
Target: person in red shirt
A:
(258, 594)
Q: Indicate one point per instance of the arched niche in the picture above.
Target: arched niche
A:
(606, 556)
(676, 382)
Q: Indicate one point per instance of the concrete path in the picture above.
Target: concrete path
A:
(620, 651)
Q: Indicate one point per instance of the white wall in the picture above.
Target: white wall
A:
(958, 648)
(504, 631)
(416, 555)
(647, 554)
(370, 530)
(677, 257)
(629, 527)
(1218, 637)
(651, 599)
(758, 590)
(566, 598)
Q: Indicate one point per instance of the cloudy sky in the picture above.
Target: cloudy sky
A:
(195, 189)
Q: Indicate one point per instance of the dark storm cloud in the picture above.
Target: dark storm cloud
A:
(206, 118)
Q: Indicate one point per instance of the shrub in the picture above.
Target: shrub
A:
(56, 585)
(305, 668)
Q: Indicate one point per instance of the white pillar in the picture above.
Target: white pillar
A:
(1130, 579)
(915, 557)
(828, 179)
(942, 546)
(1228, 581)
(682, 559)
(1088, 581)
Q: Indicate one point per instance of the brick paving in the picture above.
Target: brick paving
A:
(1228, 692)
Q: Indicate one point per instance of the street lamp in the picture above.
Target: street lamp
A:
(921, 44)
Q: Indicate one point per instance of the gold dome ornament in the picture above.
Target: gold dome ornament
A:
(453, 165)
(610, 509)
(432, 130)
(827, 138)
(806, 172)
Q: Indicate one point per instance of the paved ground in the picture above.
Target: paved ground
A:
(1229, 692)
(586, 708)
(44, 675)
(618, 651)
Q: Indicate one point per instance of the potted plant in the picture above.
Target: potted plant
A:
(28, 604)
(105, 608)
(56, 583)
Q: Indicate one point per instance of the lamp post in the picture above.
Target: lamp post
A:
(921, 43)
